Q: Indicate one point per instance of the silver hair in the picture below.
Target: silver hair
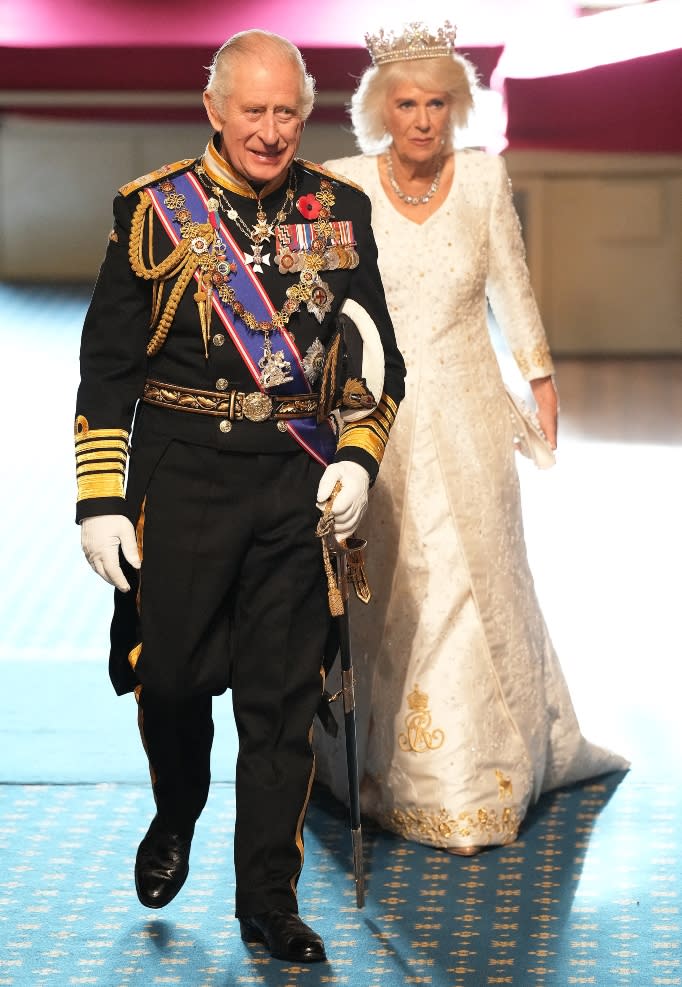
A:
(256, 42)
(452, 74)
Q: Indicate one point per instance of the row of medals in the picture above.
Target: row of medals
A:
(216, 269)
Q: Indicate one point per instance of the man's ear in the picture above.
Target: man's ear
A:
(214, 119)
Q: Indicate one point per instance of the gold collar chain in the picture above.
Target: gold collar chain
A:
(262, 230)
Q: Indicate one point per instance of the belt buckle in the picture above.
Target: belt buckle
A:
(256, 406)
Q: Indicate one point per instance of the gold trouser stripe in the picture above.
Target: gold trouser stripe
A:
(134, 655)
(301, 817)
(139, 529)
(139, 536)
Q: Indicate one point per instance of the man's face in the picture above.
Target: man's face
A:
(260, 121)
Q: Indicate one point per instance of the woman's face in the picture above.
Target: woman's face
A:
(418, 120)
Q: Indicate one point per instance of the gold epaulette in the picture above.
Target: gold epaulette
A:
(371, 433)
(321, 170)
(154, 176)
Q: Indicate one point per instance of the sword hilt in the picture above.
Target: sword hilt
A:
(325, 532)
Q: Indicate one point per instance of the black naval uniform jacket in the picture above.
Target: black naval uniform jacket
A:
(144, 323)
(121, 318)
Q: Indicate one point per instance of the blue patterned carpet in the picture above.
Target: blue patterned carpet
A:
(590, 894)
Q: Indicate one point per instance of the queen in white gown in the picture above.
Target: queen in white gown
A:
(463, 714)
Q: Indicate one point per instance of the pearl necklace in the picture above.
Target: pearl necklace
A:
(412, 200)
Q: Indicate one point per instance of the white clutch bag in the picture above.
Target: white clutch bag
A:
(529, 439)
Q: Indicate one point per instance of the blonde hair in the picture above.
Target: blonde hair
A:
(452, 74)
(256, 42)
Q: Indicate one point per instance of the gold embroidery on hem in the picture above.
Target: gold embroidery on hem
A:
(418, 737)
(483, 827)
(504, 786)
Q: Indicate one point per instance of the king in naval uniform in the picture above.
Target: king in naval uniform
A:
(214, 326)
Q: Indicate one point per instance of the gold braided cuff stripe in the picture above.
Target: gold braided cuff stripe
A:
(101, 456)
(100, 485)
(86, 461)
(371, 433)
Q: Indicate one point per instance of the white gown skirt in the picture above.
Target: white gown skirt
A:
(463, 713)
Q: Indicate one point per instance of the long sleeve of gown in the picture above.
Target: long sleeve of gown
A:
(508, 284)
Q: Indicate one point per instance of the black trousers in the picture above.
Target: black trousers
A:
(232, 592)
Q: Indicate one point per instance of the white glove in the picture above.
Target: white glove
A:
(350, 502)
(100, 539)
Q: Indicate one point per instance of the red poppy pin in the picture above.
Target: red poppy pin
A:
(309, 206)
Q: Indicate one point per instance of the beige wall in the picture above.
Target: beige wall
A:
(604, 232)
(604, 240)
(58, 180)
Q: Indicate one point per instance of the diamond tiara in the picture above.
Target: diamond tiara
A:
(416, 41)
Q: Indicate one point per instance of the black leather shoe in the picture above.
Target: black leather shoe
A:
(285, 935)
(162, 864)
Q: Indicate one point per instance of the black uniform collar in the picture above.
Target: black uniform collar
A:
(221, 171)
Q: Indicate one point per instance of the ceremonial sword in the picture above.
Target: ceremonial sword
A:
(348, 567)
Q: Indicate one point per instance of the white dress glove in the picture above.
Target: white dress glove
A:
(350, 502)
(100, 539)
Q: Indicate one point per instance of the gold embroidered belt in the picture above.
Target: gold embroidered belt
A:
(233, 405)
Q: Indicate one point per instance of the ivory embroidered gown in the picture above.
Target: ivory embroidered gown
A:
(464, 716)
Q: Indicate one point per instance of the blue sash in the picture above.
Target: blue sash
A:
(318, 440)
